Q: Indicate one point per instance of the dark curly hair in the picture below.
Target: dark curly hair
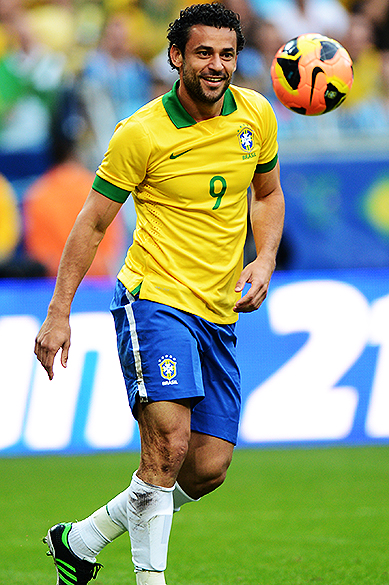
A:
(214, 14)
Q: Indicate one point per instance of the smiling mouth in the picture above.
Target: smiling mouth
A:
(213, 80)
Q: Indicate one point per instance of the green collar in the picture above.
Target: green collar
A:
(180, 117)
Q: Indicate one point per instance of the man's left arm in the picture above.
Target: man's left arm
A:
(267, 220)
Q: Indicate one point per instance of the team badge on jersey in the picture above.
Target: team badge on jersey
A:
(246, 139)
(168, 369)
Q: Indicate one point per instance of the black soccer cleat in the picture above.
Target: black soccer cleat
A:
(71, 570)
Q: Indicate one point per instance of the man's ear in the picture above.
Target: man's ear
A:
(176, 56)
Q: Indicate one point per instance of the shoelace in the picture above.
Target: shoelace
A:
(96, 569)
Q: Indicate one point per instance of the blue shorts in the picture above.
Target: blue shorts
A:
(168, 354)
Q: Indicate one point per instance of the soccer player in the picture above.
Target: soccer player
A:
(187, 158)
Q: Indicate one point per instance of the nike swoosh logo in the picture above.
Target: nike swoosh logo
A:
(315, 73)
(173, 156)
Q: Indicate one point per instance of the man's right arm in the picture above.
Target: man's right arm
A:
(79, 251)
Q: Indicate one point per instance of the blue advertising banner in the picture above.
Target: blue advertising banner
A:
(337, 211)
(314, 362)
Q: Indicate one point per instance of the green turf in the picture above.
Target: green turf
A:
(283, 517)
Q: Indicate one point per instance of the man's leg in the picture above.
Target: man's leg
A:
(145, 509)
(203, 470)
(168, 452)
(165, 434)
(205, 466)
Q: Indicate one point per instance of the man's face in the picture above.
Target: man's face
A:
(208, 64)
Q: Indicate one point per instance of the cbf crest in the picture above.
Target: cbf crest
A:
(168, 369)
(246, 139)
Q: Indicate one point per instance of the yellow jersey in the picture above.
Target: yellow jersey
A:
(189, 182)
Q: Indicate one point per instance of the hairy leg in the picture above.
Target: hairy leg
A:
(146, 506)
(165, 434)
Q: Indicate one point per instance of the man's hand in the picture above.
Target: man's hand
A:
(53, 335)
(258, 276)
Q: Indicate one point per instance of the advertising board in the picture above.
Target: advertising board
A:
(314, 363)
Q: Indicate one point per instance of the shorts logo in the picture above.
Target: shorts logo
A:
(168, 369)
(246, 139)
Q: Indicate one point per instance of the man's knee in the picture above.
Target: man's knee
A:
(170, 451)
(205, 481)
(213, 473)
(202, 473)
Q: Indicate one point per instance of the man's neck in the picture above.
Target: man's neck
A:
(198, 110)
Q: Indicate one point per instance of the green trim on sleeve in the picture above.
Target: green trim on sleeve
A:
(111, 191)
(266, 167)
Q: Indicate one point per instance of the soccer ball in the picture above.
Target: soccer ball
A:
(312, 74)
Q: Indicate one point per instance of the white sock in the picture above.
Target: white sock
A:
(180, 498)
(150, 578)
(85, 539)
(88, 537)
(117, 512)
(150, 512)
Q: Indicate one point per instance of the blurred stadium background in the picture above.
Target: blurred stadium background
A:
(314, 359)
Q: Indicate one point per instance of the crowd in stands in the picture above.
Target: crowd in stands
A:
(70, 69)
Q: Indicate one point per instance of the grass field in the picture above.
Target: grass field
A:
(283, 517)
